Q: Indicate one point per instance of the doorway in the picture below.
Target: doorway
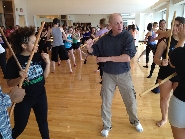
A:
(22, 21)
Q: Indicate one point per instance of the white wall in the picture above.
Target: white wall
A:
(20, 4)
(179, 9)
(92, 18)
(40, 20)
(145, 18)
(157, 16)
(170, 12)
(61, 7)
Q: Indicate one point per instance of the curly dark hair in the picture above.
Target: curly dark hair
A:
(149, 27)
(21, 36)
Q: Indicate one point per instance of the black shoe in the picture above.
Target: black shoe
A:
(101, 82)
(145, 66)
(156, 90)
(85, 61)
(149, 76)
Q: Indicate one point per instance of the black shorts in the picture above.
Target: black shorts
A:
(69, 48)
(61, 51)
(164, 72)
(152, 46)
(75, 46)
(48, 44)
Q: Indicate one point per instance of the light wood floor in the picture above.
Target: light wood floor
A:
(74, 105)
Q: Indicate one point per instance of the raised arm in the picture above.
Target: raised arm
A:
(49, 32)
(162, 34)
(158, 54)
(63, 33)
(47, 68)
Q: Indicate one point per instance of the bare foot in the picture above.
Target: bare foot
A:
(59, 63)
(96, 70)
(71, 71)
(52, 71)
(161, 123)
(82, 59)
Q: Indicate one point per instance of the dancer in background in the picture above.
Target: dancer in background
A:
(58, 47)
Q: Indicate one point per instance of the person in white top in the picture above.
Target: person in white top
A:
(2, 59)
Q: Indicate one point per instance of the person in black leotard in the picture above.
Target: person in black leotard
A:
(150, 44)
(42, 42)
(162, 26)
(92, 36)
(165, 70)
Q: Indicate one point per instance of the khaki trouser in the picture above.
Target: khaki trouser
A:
(126, 88)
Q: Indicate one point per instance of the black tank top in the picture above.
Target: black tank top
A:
(173, 43)
(166, 71)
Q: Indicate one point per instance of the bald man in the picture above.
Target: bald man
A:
(116, 50)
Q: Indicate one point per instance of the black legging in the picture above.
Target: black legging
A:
(153, 64)
(3, 62)
(148, 49)
(152, 68)
(42, 46)
(22, 112)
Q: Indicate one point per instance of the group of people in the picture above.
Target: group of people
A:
(114, 51)
(169, 63)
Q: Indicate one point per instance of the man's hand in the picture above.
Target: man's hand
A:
(17, 94)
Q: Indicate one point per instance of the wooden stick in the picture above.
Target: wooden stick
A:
(174, 74)
(169, 41)
(28, 64)
(95, 39)
(158, 84)
(2, 33)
